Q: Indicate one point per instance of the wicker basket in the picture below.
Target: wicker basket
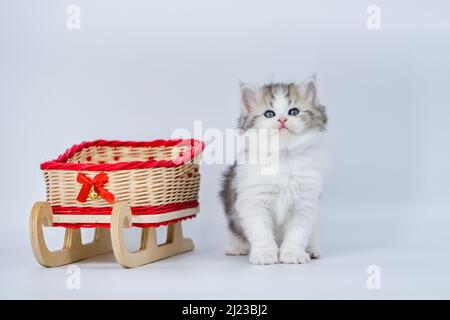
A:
(157, 180)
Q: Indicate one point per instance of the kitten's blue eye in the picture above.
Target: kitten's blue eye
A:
(293, 112)
(269, 114)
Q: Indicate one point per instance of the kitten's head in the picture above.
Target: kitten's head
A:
(290, 110)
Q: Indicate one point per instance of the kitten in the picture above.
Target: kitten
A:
(273, 216)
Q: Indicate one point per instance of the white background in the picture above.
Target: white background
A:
(138, 70)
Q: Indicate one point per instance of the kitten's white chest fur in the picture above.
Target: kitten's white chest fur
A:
(298, 170)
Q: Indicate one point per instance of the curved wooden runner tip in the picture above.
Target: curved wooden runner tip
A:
(149, 250)
(73, 248)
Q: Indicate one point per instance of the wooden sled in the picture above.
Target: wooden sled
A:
(112, 185)
(105, 240)
(149, 250)
(73, 248)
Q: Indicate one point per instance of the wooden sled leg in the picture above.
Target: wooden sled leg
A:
(149, 250)
(73, 249)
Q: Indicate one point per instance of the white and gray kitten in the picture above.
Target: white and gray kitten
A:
(273, 216)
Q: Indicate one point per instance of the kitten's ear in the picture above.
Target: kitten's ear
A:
(250, 96)
(308, 90)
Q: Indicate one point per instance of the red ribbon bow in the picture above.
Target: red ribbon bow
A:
(97, 184)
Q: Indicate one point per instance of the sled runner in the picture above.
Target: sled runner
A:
(112, 185)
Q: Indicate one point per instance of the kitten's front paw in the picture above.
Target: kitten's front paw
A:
(289, 256)
(263, 256)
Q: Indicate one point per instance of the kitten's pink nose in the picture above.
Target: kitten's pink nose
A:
(282, 120)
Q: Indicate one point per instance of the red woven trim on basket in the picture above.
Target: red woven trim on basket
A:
(107, 225)
(60, 163)
(141, 210)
